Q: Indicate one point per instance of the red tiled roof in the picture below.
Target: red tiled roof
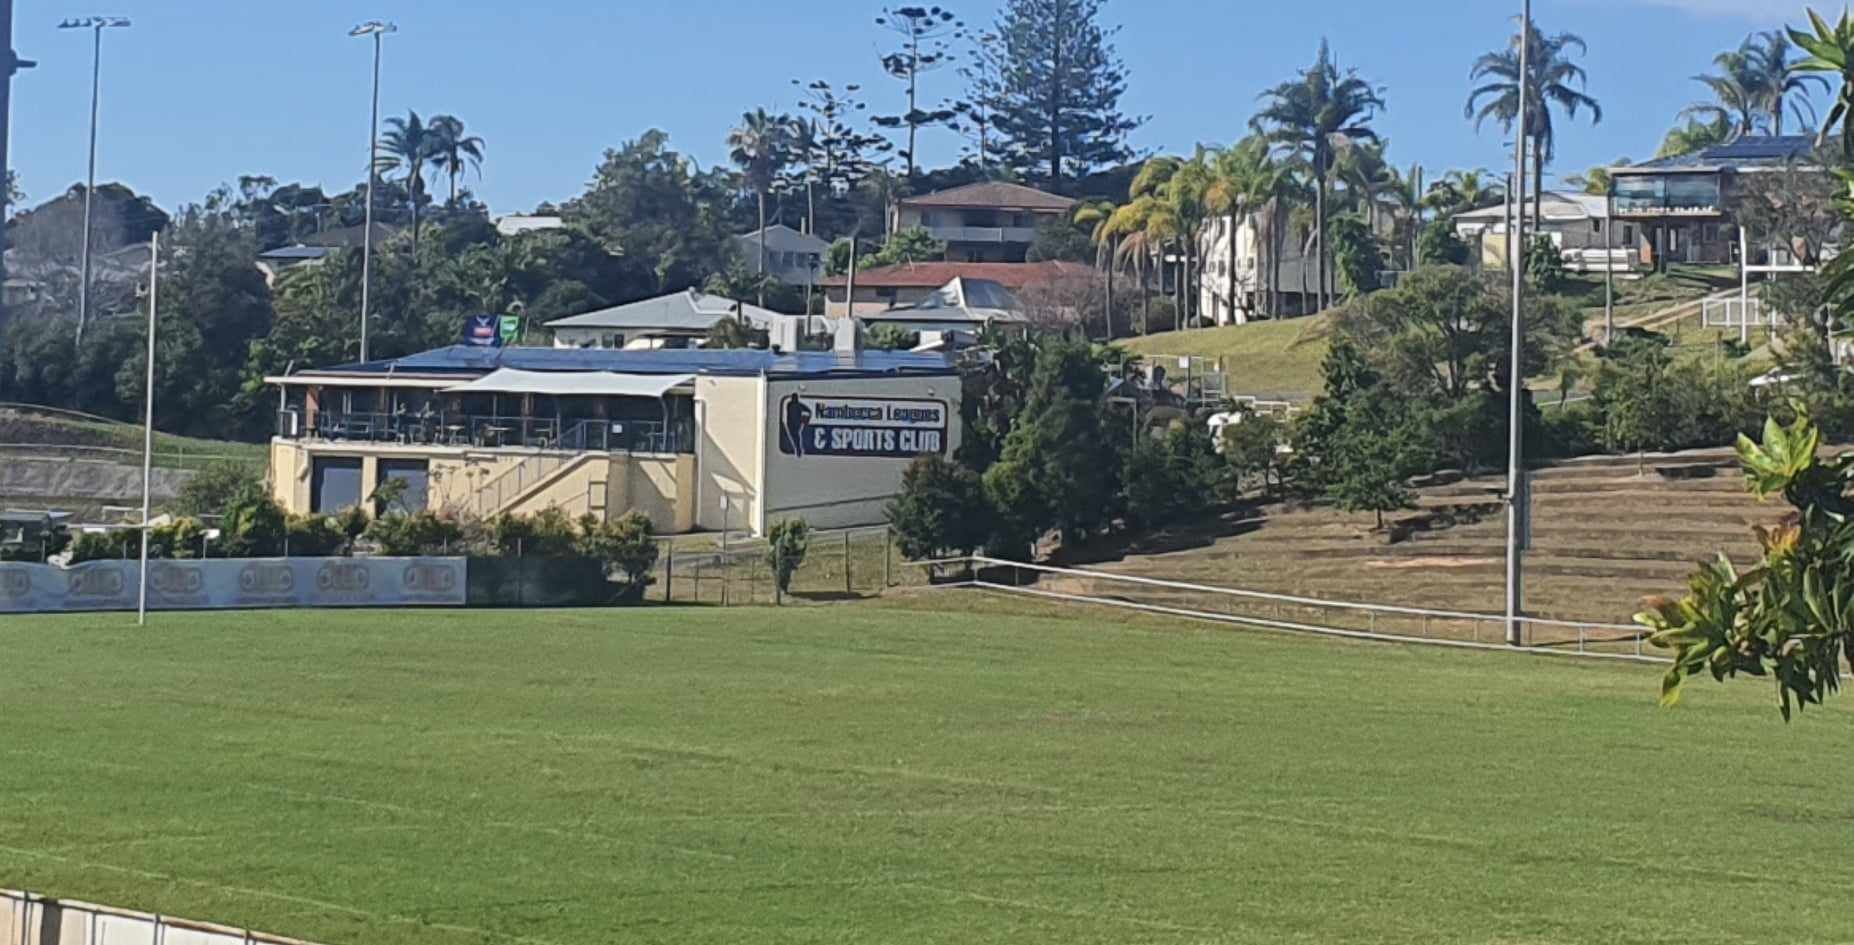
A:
(992, 195)
(932, 275)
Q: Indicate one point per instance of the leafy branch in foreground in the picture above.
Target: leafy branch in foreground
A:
(1791, 617)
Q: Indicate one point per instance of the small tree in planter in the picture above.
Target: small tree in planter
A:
(786, 546)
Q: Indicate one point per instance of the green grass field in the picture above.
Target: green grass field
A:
(90, 437)
(946, 769)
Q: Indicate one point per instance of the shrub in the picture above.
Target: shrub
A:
(422, 533)
(787, 543)
(1252, 448)
(545, 534)
(941, 509)
(254, 524)
(1572, 430)
(891, 338)
(627, 545)
(1437, 244)
(315, 536)
(106, 546)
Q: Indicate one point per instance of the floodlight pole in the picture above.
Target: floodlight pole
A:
(96, 25)
(10, 64)
(378, 31)
(1609, 266)
(154, 276)
(1515, 474)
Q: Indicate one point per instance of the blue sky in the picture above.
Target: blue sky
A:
(200, 91)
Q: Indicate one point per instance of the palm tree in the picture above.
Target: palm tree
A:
(1096, 215)
(408, 143)
(1460, 191)
(1780, 76)
(1831, 49)
(804, 142)
(1738, 102)
(758, 148)
(1554, 80)
(453, 152)
(1313, 117)
(1131, 228)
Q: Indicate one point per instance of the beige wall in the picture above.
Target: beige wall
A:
(842, 491)
(731, 414)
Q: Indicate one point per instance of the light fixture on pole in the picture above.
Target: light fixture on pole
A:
(96, 25)
(378, 30)
(1516, 499)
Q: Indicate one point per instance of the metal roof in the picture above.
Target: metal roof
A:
(466, 360)
(992, 195)
(783, 239)
(688, 311)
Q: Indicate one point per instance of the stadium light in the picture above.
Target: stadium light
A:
(96, 25)
(378, 30)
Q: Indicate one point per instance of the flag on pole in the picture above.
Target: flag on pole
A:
(483, 331)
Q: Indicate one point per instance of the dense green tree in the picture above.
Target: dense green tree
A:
(213, 306)
(667, 222)
(1545, 265)
(940, 511)
(1172, 478)
(1053, 473)
(1063, 241)
(1356, 254)
(1057, 105)
(1437, 245)
(1372, 455)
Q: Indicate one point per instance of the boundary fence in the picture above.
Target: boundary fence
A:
(30, 919)
(1296, 614)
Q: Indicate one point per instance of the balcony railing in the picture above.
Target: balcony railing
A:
(983, 234)
(484, 431)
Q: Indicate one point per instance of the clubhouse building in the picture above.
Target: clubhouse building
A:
(698, 439)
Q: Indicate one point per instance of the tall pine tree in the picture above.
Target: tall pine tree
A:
(1057, 103)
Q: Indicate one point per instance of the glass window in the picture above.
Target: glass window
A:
(416, 474)
(335, 484)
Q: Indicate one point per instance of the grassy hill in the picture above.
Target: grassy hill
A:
(1281, 359)
(1269, 359)
(44, 431)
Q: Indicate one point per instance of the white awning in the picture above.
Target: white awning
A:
(573, 383)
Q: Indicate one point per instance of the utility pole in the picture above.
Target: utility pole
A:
(1609, 268)
(378, 31)
(10, 64)
(96, 25)
(1515, 471)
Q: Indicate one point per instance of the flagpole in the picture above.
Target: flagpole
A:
(154, 277)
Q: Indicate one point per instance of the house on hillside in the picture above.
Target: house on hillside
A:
(311, 251)
(1578, 224)
(1253, 271)
(792, 257)
(991, 221)
(886, 287)
(963, 305)
(1685, 205)
(677, 320)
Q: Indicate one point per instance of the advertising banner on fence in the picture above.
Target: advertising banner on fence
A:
(234, 584)
(861, 426)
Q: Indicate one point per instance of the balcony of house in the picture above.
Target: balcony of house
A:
(965, 233)
(1670, 196)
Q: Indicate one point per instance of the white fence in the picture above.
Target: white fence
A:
(1297, 614)
(234, 583)
(27, 919)
(1718, 312)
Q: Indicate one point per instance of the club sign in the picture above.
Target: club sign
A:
(865, 427)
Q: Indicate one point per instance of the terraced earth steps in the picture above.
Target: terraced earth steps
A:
(1605, 539)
